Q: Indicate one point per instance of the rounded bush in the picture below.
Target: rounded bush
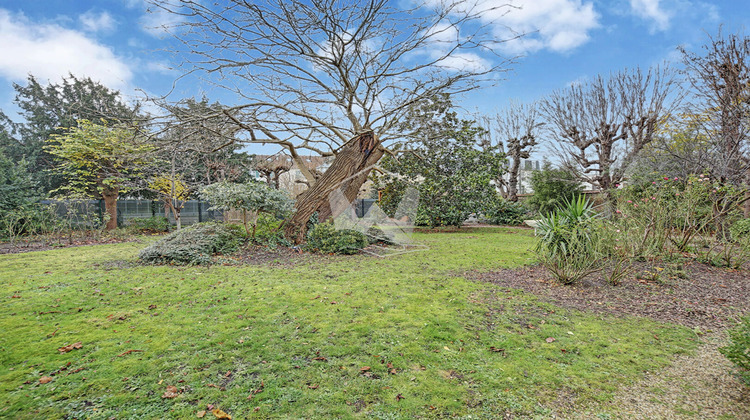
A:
(325, 238)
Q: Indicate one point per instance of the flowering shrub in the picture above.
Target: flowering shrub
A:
(669, 214)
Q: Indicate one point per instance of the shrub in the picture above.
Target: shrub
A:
(504, 212)
(325, 238)
(568, 247)
(268, 231)
(738, 349)
(28, 220)
(740, 229)
(552, 187)
(251, 198)
(155, 224)
(195, 244)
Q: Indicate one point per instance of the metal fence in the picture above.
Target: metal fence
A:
(89, 213)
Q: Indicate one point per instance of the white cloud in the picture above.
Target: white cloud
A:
(651, 10)
(556, 25)
(49, 52)
(94, 22)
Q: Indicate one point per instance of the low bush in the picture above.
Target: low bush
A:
(738, 349)
(269, 233)
(195, 244)
(740, 229)
(326, 239)
(504, 212)
(27, 220)
(155, 224)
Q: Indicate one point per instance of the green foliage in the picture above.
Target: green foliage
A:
(269, 233)
(54, 108)
(326, 239)
(154, 224)
(568, 246)
(251, 198)
(552, 188)
(738, 349)
(445, 164)
(506, 213)
(17, 187)
(97, 160)
(194, 245)
(740, 229)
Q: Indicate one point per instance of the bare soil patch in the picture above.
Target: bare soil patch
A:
(694, 295)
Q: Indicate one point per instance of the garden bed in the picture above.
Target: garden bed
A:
(696, 295)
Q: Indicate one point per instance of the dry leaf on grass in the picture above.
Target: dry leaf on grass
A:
(200, 414)
(171, 392)
(45, 379)
(70, 347)
(221, 415)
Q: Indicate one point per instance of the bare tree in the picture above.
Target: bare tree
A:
(720, 78)
(272, 167)
(600, 126)
(334, 77)
(514, 132)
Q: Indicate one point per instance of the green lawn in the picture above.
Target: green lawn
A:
(294, 342)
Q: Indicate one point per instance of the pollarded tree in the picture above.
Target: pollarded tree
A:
(99, 161)
(334, 77)
(720, 79)
(601, 125)
(514, 132)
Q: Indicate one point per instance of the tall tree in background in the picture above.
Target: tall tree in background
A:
(334, 77)
(444, 163)
(600, 126)
(514, 132)
(272, 167)
(720, 78)
(52, 108)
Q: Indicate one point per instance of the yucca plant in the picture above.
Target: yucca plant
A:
(567, 246)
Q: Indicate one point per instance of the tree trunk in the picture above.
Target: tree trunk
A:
(347, 173)
(110, 206)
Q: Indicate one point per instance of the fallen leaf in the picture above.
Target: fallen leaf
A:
(16, 297)
(45, 380)
(221, 415)
(321, 358)
(171, 392)
(496, 349)
(364, 369)
(313, 386)
(200, 414)
(70, 347)
(399, 397)
(550, 340)
(389, 365)
(128, 352)
(393, 371)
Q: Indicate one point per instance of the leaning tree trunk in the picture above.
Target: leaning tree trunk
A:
(110, 195)
(347, 173)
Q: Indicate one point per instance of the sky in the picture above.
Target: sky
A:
(120, 43)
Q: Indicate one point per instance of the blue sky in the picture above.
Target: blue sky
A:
(118, 43)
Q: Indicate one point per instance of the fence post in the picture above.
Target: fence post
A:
(200, 212)
(100, 210)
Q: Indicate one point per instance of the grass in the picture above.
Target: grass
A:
(294, 342)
